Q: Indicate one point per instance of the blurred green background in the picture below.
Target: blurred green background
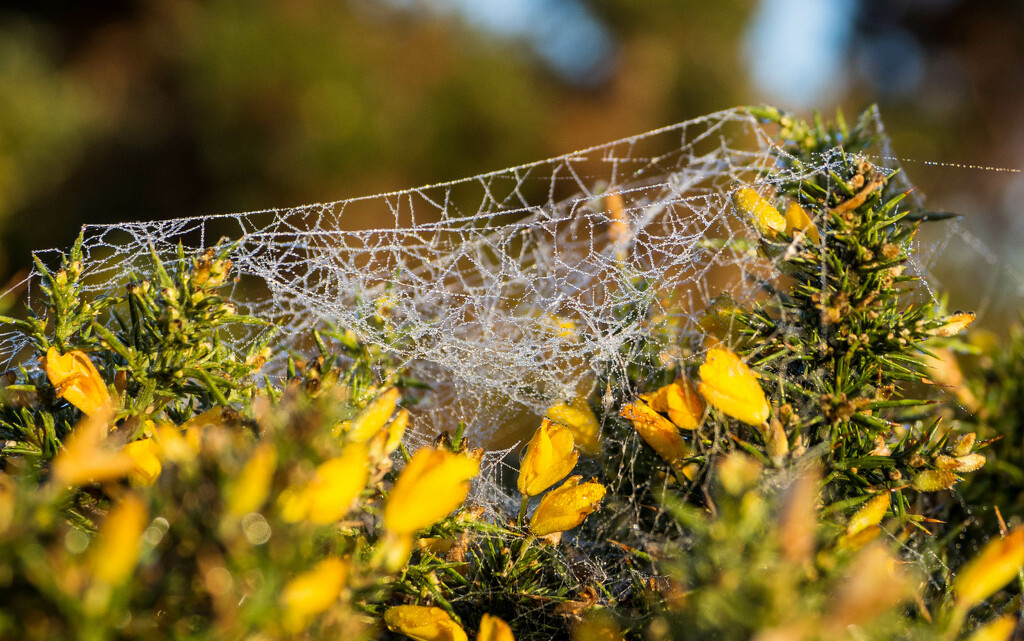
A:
(142, 110)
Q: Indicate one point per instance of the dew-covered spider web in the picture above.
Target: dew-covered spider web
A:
(510, 290)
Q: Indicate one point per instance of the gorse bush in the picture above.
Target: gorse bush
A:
(814, 465)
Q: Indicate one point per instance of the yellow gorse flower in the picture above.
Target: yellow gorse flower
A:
(145, 455)
(313, 592)
(581, 421)
(566, 507)
(732, 387)
(998, 563)
(329, 495)
(656, 430)
(114, 553)
(680, 401)
(423, 623)
(373, 417)
(494, 629)
(432, 485)
(549, 457)
(798, 220)
(76, 380)
(759, 211)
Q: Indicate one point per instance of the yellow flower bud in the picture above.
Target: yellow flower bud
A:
(248, 492)
(968, 463)
(680, 401)
(313, 592)
(964, 443)
(759, 211)
(335, 484)
(998, 563)
(146, 461)
(549, 458)
(656, 430)
(580, 420)
(934, 480)
(732, 387)
(423, 623)
(76, 380)
(954, 324)
(871, 513)
(373, 417)
(566, 507)
(115, 551)
(798, 220)
(494, 629)
(432, 486)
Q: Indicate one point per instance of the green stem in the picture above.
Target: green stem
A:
(522, 510)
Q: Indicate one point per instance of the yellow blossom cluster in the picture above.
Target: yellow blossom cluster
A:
(550, 456)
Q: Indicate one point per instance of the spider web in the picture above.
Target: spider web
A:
(507, 291)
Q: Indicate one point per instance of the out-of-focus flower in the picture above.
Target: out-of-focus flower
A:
(393, 551)
(618, 225)
(798, 521)
(423, 623)
(876, 583)
(656, 430)
(145, 454)
(114, 553)
(565, 508)
(798, 220)
(76, 380)
(596, 626)
(494, 629)
(680, 401)
(7, 501)
(248, 492)
(1000, 629)
(88, 457)
(738, 472)
(766, 218)
(432, 485)
(329, 495)
(313, 592)
(732, 387)
(581, 421)
(871, 513)
(998, 563)
(396, 430)
(549, 457)
(373, 417)
(177, 446)
(944, 370)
